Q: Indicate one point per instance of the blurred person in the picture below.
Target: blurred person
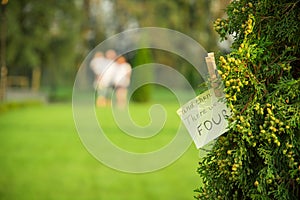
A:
(104, 70)
(122, 80)
(97, 65)
(106, 83)
(111, 54)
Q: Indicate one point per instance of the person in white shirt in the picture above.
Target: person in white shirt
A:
(104, 69)
(122, 80)
(98, 64)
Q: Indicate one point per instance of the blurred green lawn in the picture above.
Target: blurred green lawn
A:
(42, 157)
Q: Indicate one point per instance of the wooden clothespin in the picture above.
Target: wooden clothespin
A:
(213, 74)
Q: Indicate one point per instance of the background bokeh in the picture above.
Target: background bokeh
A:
(43, 44)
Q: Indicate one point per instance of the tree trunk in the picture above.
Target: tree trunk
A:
(36, 79)
(3, 51)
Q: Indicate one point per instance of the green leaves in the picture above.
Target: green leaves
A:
(259, 156)
(43, 34)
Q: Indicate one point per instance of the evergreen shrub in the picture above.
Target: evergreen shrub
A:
(258, 157)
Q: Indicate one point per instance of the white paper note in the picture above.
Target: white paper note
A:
(205, 117)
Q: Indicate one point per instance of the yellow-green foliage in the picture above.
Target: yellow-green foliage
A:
(258, 158)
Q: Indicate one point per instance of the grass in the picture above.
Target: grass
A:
(42, 157)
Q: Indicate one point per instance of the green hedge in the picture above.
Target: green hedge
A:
(7, 106)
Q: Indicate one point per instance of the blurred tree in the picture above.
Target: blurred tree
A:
(193, 18)
(3, 29)
(142, 94)
(43, 34)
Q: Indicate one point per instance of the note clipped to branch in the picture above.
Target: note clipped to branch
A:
(205, 117)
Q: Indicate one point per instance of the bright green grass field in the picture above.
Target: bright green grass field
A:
(42, 157)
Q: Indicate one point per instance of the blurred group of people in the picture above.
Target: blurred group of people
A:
(112, 73)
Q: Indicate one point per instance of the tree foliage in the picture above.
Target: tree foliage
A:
(190, 17)
(143, 93)
(258, 158)
(43, 34)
